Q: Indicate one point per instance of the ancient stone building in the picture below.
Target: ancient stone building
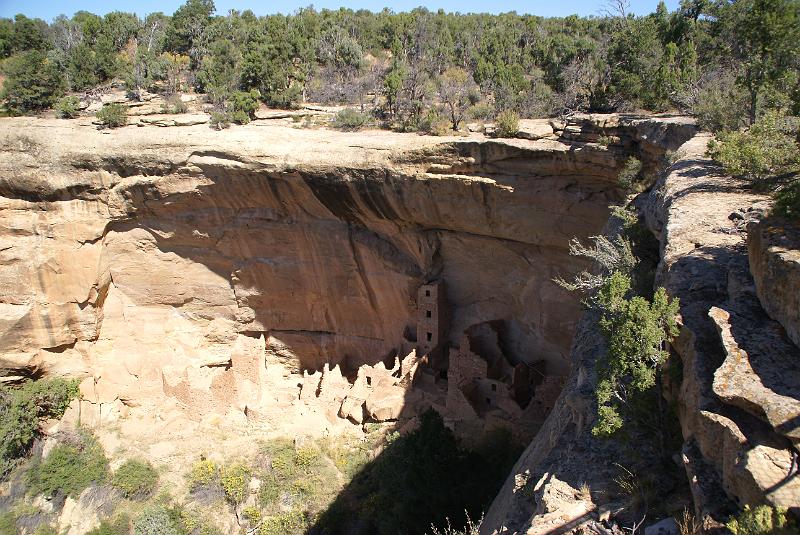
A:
(432, 318)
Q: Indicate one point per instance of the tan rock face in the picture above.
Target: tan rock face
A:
(738, 396)
(774, 252)
(183, 269)
(764, 381)
(151, 258)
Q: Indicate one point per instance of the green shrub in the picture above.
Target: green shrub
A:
(173, 104)
(605, 141)
(204, 472)
(33, 82)
(234, 479)
(435, 124)
(761, 520)
(421, 480)
(67, 107)
(305, 457)
(135, 479)
(45, 529)
(157, 520)
(69, 468)
(220, 120)
(481, 112)
(8, 524)
(787, 201)
(768, 148)
(252, 515)
(242, 106)
(635, 331)
(119, 525)
(507, 124)
(113, 115)
(629, 174)
(22, 408)
(350, 119)
(288, 523)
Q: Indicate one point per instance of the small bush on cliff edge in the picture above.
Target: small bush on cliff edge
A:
(350, 119)
(635, 331)
(113, 115)
(70, 467)
(787, 201)
(767, 149)
(507, 124)
(67, 107)
(21, 410)
(761, 520)
(135, 479)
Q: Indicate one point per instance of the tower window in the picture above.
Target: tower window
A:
(488, 401)
(429, 336)
(427, 293)
(369, 380)
(427, 313)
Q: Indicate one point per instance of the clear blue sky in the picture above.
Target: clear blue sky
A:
(47, 9)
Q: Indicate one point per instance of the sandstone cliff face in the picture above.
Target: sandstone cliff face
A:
(739, 395)
(170, 262)
(773, 248)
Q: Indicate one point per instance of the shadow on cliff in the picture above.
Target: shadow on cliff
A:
(421, 479)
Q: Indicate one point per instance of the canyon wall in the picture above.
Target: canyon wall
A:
(177, 261)
(733, 373)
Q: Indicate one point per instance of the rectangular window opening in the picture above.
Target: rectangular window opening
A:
(427, 313)
(429, 336)
(427, 293)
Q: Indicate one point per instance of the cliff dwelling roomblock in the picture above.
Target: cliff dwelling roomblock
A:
(431, 318)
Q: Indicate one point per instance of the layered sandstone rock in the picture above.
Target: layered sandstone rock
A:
(774, 252)
(738, 397)
(168, 262)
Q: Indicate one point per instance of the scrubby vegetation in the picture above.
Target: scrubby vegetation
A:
(635, 320)
(136, 479)
(113, 115)
(629, 174)
(726, 62)
(635, 331)
(173, 104)
(118, 525)
(767, 149)
(787, 201)
(507, 124)
(76, 462)
(21, 411)
(762, 520)
(350, 119)
(421, 480)
(67, 107)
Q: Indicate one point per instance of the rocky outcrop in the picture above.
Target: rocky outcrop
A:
(738, 396)
(774, 251)
(166, 265)
(737, 423)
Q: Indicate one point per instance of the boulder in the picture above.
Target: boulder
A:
(774, 252)
(84, 514)
(668, 526)
(764, 381)
(386, 402)
(534, 129)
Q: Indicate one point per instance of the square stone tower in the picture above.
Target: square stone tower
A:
(432, 318)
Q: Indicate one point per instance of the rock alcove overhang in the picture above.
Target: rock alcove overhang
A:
(149, 265)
